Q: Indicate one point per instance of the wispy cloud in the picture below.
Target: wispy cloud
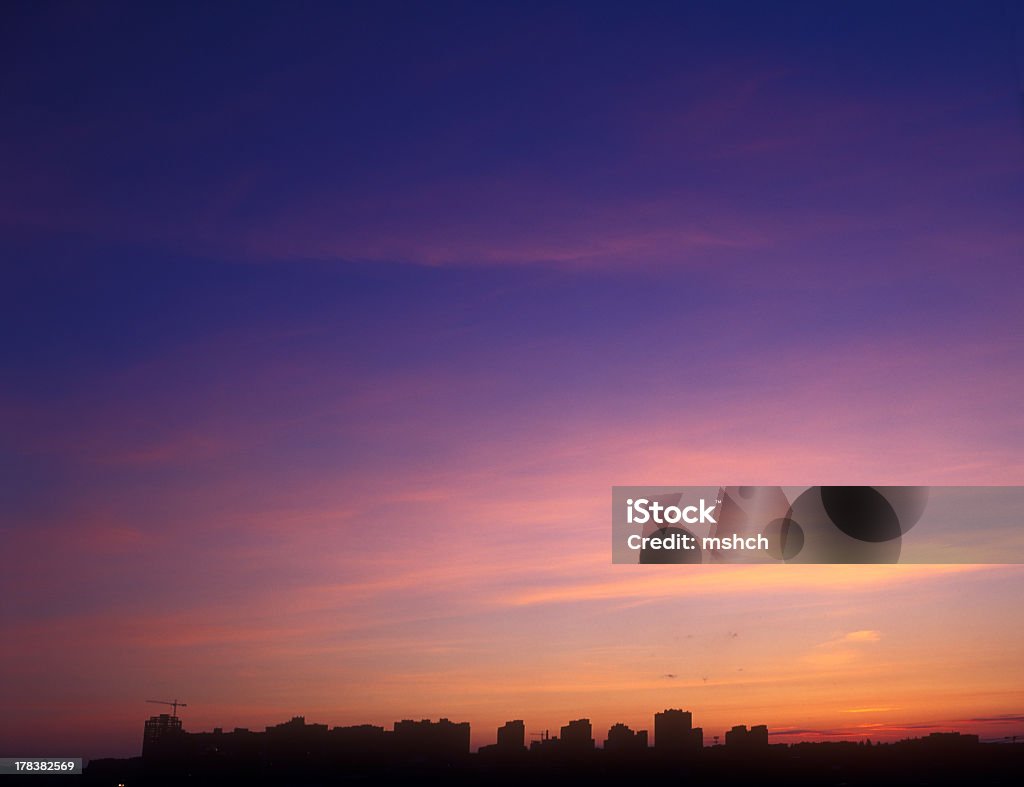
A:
(852, 638)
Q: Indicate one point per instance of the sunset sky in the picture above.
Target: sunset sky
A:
(328, 331)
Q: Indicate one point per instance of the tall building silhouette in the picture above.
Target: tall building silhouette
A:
(577, 736)
(512, 736)
(511, 745)
(674, 732)
(161, 735)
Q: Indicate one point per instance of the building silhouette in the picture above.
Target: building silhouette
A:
(432, 740)
(360, 742)
(577, 736)
(512, 736)
(161, 735)
(741, 738)
(511, 744)
(546, 744)
(297, 730)
(948, 740)
(622, 740)
(674, 732)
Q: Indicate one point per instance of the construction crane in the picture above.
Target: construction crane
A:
(174, 706)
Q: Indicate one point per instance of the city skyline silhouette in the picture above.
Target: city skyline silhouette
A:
(314, 753)
(675, 724)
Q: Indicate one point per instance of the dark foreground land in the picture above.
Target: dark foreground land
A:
(802, 764)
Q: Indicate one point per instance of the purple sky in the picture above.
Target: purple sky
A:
(328, 332)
